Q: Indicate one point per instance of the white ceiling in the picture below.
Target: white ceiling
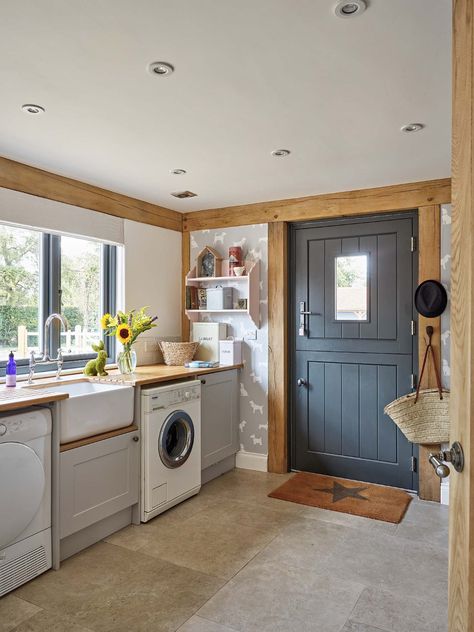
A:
(251, 76)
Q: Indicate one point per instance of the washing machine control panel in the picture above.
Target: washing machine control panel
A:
(173, 398)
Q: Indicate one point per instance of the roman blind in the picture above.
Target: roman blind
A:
(35, 212)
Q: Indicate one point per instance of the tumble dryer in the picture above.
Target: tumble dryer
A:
(25, 497)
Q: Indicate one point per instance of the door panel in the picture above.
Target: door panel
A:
(387, 245)
(352, 369)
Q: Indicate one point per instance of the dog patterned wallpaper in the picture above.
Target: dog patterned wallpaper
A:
(445, 319)
(254, 375)
(446, 281)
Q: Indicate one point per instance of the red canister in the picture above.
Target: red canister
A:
(235, 259)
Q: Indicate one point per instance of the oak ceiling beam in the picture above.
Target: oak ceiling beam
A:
(360, 202)
(27, 179)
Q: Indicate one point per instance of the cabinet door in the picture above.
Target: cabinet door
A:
(97, 481)
(219, 416)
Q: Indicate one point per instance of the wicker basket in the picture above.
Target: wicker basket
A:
(178, 353)
(426, 421)
(423, 417)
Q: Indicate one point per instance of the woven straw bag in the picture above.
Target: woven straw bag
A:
(178, 353)
(423, 417)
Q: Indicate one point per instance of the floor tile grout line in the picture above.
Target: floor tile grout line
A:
(228, 581)
(58, 613)
(161, 559)
(40, 609)
(230, 628)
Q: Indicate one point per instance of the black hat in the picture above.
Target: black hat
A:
(430, 299)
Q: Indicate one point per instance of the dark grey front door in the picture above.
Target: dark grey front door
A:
(354, 349)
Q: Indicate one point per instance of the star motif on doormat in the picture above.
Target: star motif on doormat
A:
(339, 492)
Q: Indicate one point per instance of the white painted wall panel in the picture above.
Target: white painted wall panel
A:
(152, 264)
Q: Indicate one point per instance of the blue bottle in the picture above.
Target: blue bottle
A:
(10, 375)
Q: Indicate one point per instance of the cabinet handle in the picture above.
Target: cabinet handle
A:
(203, 381)
(135, 438)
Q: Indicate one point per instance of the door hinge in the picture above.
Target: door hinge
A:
(412, 381)
(412, 244)
(413, 464)
(413, 328)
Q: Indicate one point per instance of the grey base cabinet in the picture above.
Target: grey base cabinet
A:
(97, 481)
(219, 416)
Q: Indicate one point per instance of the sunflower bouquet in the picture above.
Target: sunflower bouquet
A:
(126, 327)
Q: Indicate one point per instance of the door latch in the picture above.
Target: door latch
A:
(303, 313)
(454, 455)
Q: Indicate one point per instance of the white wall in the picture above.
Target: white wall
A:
(152, 265)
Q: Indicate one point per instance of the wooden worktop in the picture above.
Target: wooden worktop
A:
(155, 373)
(18, 397)
(21, 396)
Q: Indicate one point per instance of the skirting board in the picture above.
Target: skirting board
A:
(445, 492)
(251, 461)
(76, 542)
(213, 471)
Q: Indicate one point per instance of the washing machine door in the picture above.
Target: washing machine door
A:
(176, 439)
(22, 484)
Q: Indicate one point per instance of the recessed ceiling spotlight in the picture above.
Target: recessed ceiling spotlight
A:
(184, 194)
(345, 9)
(161, 68)
(178, 172)
(30, 108)
(412, 127)
(281, 153)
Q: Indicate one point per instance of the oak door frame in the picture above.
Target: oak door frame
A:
(278, 336)
(461, 510)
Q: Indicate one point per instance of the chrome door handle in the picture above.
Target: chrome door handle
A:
(454, 455)
(303, 313)
(301, 382)
(441, 469)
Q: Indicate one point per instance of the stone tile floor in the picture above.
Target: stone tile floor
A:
(232, 559)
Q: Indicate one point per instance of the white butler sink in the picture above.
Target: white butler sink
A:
(92, 408)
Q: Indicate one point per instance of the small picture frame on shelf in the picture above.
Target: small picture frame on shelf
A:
(202, 298)
(209, 263)
(242, 303)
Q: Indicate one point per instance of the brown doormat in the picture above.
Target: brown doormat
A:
(339, 494)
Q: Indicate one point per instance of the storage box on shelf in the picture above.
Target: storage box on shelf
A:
(245, 287)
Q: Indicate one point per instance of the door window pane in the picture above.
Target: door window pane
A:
(351, 287)
(80, 293)
(20, 254)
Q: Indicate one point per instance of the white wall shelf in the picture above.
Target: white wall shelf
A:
(218, 311)
(247, 286)
(217, 279)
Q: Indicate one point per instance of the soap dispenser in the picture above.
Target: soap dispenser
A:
(10, 375)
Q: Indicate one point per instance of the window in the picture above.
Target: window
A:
(41, 273)
(20, 264)
(351, 288)
(80, 293)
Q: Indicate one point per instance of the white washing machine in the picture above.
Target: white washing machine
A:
(25, 497)
(171, 446)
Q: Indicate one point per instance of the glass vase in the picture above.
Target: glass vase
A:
(127, 361)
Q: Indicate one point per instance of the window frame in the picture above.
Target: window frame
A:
(349, 321)
(50, 301)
